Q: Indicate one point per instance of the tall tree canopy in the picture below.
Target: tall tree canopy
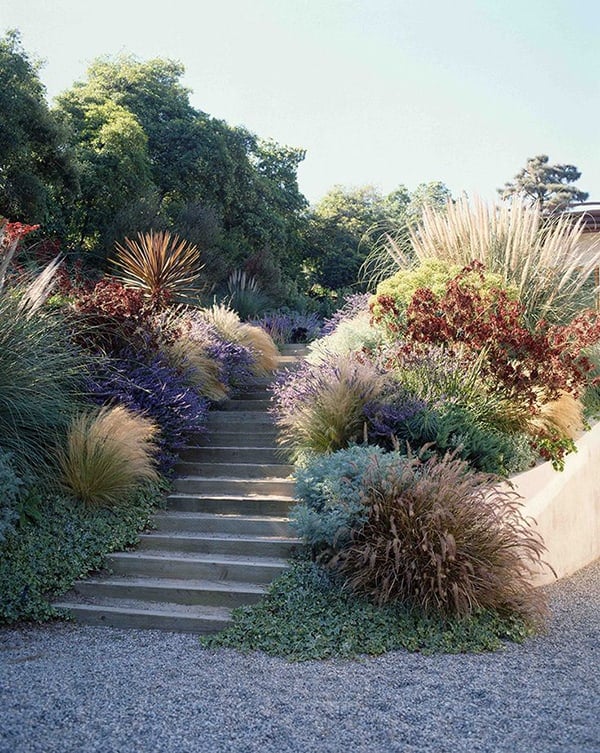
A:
(149, 158)
(549, 185)
(347, 223)
(38, 176)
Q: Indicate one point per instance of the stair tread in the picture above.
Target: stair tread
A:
(219, 559)
(196, 584)
(177, 515)
(135, 607)
(219, 536)
(232, 497)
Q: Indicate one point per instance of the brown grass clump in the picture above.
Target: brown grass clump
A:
(262, 346)
(564, 415)
(445, 539)
(107, 454)
(202, 370)
(228, 325)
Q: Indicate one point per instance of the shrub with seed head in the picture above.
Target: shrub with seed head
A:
(107, 454)
(443, 538)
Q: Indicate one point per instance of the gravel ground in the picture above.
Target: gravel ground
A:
(82, 689)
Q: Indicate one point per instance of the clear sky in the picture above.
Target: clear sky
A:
(378, 92)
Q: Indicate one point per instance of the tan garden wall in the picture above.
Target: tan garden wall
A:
(566, 507)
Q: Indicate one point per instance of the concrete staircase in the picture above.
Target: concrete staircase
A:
(222, 539)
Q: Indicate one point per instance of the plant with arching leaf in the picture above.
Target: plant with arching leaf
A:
(159, 264)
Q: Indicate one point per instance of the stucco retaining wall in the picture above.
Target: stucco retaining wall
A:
(566, 507)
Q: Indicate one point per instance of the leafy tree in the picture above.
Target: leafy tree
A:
(37, 171)
(179, 164)
(346, 225)
(548, 185)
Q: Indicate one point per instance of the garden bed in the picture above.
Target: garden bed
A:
(566, 508)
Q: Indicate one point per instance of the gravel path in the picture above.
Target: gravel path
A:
(75, 689)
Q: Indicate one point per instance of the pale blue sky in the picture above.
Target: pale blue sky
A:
(378, 92)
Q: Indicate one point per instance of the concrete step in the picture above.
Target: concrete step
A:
(121, 613)
(235, 470)
(199, 454)
(294, 349)
(263, 435)
(228, 594)
(242, 420)
(220, 543)
(223, 486)
(237, 525)
(233, 504)
(241, 405)
(196, 566)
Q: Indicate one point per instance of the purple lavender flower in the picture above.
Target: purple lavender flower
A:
(156, 390)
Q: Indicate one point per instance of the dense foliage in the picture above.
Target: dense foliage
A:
(307, 615)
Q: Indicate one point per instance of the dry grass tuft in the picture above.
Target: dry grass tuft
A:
(201, 368)
(262, 346)
(107, 454)
(564, 415)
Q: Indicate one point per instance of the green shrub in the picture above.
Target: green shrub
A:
(11, 487)
(43, 557)
(444, 539)
(330, 488)
(350, 336)
(306, 615)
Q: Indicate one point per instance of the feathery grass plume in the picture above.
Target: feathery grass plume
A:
(319, 408)
(349, 336)
(260, 343)
(223, 319)
(540, 258)
(40, 288)
(202, 370)
(159, 264)
(108, 452)
(564, 415)
(445, 539)
(262, 346)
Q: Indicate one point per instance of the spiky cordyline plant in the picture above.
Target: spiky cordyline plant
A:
(108, 452)
(540, 258)
(158, 263)
(445, 539)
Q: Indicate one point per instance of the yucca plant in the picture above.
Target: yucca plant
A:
(444, 539)
(245, 294)
(107, 453)
(540, 258)
(159, 264)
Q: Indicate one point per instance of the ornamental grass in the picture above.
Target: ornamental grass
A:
(107, 454)
(445, 539)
